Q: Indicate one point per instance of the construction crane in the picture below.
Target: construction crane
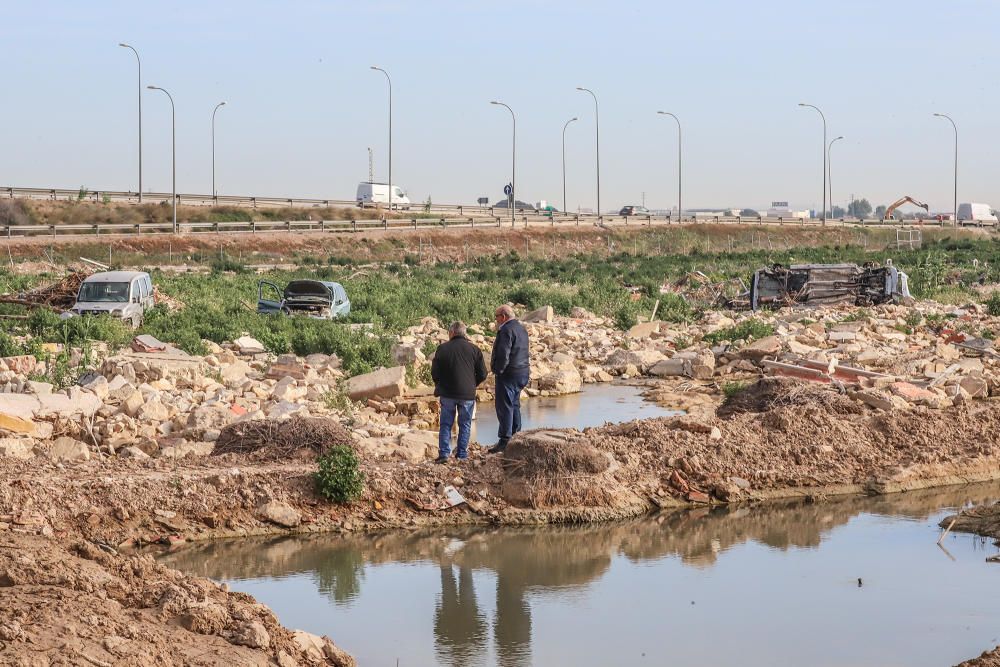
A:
(899, 202)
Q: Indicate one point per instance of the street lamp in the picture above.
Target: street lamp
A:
(215, 194)
(679, 209)
(173, 150)
(139, 62)
(379, 69)
(941, 115)
(812, 106)
(513, 161)
(597, 125)
(829, 168)
(565, 210)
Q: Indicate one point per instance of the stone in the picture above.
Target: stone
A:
(235, 373)
(287, 390)
(671, 368)
(248, 345)
(911, 392)
(544, 314)
(384, 383)
(702, 364)
(252, 634)
(740, 483)
(715, 433)
(22, 406)
(976, 387)
(22, 364)
(567, 381)
(643, 330)
(405, 354)
(68, 450)
(15, 424)
(417, 446)
(153, 411)
(768, 346)
(795, 347)
(582, 313)
(280, 513)
(76, 403)
(97, 385)
(38, 388)
(17, 448)
(841, 336)
(874, 398)
(133, 453)
(642, 359)
(285, 409)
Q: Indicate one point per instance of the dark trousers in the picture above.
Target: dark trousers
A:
(508, 403)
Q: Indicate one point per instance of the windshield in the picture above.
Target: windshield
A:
(109, 292)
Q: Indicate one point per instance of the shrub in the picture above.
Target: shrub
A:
(730, 389)
(751, 329)
(993, 304)
(339, 478)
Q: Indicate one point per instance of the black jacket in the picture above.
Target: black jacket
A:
(458, 368)
(510, 350)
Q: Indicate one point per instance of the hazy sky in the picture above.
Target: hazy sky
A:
(303, 105)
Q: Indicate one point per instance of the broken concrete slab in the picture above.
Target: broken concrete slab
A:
(384, 383)
(545, 314)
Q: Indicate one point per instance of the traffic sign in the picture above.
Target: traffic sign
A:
(508, 189)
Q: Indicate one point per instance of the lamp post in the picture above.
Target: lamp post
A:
(513, 160)
(139, 62)
(597, 126)
(812, 106)
(679, 209)
(565, 210)
(955, 127)
(173, 149)
(387, 78)
(215, 194)
(829, 168)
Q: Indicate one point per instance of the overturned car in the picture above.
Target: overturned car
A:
(318, 299)
(823, 285)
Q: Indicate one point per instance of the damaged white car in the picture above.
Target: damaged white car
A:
(318, 299)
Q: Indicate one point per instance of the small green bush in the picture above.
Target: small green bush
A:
(993, 304)
(730, 389)
(338, 478)
(751, 329)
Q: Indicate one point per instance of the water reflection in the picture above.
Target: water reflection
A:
(528, 562)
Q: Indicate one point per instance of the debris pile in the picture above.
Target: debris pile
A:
(277, 439)
(60, 295)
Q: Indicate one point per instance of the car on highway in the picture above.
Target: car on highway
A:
(373, 194)
(632, 209)
(318, 299)
(125, 295)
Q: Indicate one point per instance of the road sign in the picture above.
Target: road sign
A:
(508, 189)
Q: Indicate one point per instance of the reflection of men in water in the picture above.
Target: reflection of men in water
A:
(512, 370)
(459, 627)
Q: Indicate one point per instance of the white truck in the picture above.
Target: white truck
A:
(976, 212)
(373, 194)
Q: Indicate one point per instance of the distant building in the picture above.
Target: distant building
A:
(781, 209)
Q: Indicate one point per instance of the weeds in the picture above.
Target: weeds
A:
(748, 330)
(339, 478)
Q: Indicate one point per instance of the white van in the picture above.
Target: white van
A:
(126, 295)
(977, 212)
(372, 194)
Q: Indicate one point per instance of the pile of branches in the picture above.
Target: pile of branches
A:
(278, 439)
(60, 295)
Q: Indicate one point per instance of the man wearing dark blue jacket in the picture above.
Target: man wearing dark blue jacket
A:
(511, 368)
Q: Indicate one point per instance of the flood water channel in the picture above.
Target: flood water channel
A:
(850, 581)
(595, 405)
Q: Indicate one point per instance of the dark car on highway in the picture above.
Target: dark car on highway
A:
(634, 210)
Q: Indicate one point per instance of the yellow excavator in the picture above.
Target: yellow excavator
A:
(899, 202)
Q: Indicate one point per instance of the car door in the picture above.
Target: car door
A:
(271, 304)
(341, 304)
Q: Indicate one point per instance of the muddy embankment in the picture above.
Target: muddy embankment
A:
(69, 592)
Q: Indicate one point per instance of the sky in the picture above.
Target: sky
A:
(303, 107)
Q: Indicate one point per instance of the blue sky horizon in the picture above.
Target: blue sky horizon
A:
(304, 107)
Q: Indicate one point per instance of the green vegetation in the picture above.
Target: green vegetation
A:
(731, 388)
(220, 305)
(338, 477)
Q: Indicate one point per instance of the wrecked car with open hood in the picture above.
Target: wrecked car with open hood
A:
(318, 299)
(824, 285)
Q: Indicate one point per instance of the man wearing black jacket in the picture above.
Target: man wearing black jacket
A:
(511, 367)
(458, 368)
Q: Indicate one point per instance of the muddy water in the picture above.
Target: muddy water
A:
(761, 585)
(595, 405)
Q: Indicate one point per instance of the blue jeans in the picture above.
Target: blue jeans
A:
(449, 406)
(508, 403)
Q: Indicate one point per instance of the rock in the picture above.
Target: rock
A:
(692, 426)
(976, 387)
(247, 345)
(795, 347)
(234, 373)
(417, 446)
(671, 368)
(641, 359)
(183, 449)
(874, 398)
(38, 388)
(17, 448)
(643, 330)
(582, 313)
(702, 364)
(68, 450)
(252, 634)
(404, 354)
(97, 385)
(280, 513)
(22, 406)
(544, 314)
(287, 390)
(715, 433)
(15, 424)
(769, 346)
(566, 381)
(841, 336)
(910, 392)
(740, 483)
(153, 411)
(134, 453)
(22, 364)
(285, 409)
(385, 383)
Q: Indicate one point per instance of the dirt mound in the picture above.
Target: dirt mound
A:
(773, 392)
(555, 468)
(280, 439)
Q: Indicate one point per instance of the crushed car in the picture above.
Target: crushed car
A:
(824, 285)
(318, 299)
